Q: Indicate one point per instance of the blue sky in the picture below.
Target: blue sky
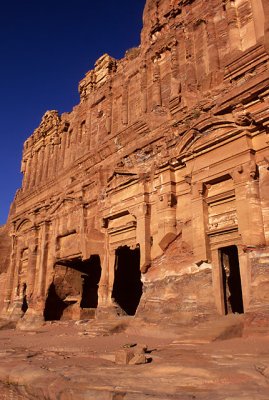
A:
(46, 47)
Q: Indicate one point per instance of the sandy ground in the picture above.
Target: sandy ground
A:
(226, 359)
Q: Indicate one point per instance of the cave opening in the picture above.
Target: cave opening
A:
(127, 288)
(24, 306)
(54, 305)
(231, 280)
(90, 282)
(74, 288)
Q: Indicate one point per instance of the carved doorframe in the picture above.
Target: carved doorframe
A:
(226, 240)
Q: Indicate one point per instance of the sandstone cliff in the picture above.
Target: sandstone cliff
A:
(144, 197)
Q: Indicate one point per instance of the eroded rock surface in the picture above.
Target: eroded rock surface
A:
(151, 197)
(225, 359)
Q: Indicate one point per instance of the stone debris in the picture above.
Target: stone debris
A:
(124, 356)
(138, 359)
(132, 354)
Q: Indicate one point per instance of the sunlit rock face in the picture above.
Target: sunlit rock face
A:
(151, 197)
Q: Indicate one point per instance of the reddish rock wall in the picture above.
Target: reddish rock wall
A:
(5, 251)
(166, 151)
(5, 247)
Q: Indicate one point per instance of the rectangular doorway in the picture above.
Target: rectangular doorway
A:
(231, 280)
(127, 288)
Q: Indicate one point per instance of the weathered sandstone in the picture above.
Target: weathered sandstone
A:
(151, 197)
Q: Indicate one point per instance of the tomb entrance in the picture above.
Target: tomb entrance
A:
(127, 288)
(231, 280)
(74, 289)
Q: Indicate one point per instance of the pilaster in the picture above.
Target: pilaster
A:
(248, 205)
(156, 91)
(143, 235)
(199, 223)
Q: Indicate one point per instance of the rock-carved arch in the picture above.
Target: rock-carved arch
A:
(24, 225)
(204, 134)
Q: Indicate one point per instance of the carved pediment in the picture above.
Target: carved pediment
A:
(187, 141)
(205, 133)
(62, 203)
(121, 177)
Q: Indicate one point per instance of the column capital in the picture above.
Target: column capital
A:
(245, 172)
(140, 210)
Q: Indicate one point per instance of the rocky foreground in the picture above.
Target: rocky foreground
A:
(224, 359)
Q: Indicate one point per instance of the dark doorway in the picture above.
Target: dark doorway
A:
(75, 281)
(24, 306)
(127, 288)
(54, 306)
(231, 279)
(90, 282)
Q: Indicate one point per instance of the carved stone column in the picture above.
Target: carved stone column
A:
(125, 99)
(143, 235)
(111, 274)
(11, 273)
(55, 160)
(144, 96)
(89, 128)
(26, 180)
(175, 81)
(259, 17)
(108, 123)
(199, 223)
(106, 305)
(32, 261)
(45, 163)
(190, 67)
(266, 23)
(234, 33)
(63, 149)
(182, 62)
(166, 216)
(212, 49)
(52, 228)
(14, 310)
(103, 295)
(76, 142)
(156, 90)
(200, 51)
(42, 260)
(22, 243)
(39, 178)
(33, 170)
(52, 160)
(248, 205)
(264, 193)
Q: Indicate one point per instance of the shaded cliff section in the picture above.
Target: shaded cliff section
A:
(5, 247)
(5, 250)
